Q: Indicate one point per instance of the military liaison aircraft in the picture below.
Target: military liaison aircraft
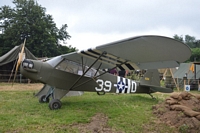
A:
(83, 70)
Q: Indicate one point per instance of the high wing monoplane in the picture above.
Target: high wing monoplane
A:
(83, 70)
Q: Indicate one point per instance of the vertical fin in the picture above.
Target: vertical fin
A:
(151, 77)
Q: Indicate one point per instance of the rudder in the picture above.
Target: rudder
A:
(151, 77)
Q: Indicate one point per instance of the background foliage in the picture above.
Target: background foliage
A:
(29, 20)
(193, 43)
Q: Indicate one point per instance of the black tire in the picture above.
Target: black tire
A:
(43, 100)
(101, 93)
(55, 104)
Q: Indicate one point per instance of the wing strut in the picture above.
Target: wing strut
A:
(83, 67)
(103, 53)
(97, 69)
(97, 75)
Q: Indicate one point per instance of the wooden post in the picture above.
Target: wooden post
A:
(184, 84)
(177, 84)
(184, 81)
(174, 79)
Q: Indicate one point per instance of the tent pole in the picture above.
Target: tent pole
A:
(12, 71)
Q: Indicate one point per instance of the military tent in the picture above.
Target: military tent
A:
(188, 73)
(8, 62)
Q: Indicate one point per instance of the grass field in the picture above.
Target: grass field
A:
(20, 111)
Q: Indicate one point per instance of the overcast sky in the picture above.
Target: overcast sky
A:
(96, 22)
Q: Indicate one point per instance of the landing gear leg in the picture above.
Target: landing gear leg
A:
(152, 96)
(45, 98)
(54, 103)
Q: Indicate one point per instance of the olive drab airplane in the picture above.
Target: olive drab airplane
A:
(88, 70)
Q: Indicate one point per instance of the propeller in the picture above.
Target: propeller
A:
(19, 60)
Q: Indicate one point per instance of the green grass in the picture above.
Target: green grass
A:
(20, 112)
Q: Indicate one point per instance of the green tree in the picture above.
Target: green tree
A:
(29, 20)
(179, 38)
(189, 40)
(195, 54)
(193, 44)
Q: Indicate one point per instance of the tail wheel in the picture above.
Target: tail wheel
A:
(44, 99)
(55, 104)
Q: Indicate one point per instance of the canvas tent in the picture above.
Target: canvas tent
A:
(187, 69)
(188, 73)
(8, 60)
(13, 55)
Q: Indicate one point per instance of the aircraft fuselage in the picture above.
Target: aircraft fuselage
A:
(45, 73)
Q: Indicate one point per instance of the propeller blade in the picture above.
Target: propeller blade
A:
(19, 60)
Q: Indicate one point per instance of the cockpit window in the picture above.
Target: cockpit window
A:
(68, 66)
(73, 67)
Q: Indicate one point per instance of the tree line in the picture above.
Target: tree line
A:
(27, 19)
(193, 43)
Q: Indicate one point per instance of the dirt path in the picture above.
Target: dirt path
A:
(98, 124)
(20, 87)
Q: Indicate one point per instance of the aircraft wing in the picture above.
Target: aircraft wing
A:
(141, 52)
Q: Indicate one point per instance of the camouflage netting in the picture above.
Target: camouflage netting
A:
(181, 110)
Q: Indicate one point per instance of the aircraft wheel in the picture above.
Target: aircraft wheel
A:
(43, 100)
(55, 104)
(101, 93)
(154, 98)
